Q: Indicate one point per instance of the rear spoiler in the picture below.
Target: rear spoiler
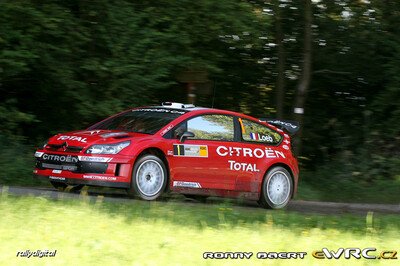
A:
(289, 126)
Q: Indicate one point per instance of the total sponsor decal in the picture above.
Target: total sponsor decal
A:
(190, 150)
(248, 167)
(186, 184)
(98, 177)
(76, 138)
(248, 152)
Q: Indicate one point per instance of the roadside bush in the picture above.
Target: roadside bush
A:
(354, 177)
(16, 162)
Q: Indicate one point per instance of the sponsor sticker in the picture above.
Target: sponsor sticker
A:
(94, 159)
(159, 110)
(256, 136)
(186, 184)
(98, 177)
(190, 150)
(259, 153)
(60, 158)
(57, 177)
(166, 130)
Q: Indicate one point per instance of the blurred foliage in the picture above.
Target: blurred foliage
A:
(17, 161)
(67, 64)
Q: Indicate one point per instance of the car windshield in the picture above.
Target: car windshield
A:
(147, 121)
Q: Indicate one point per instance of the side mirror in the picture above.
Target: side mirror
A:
(186, 135)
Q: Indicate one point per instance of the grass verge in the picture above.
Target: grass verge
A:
(86, 232)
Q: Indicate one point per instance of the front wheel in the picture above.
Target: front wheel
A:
(277, 188)
(149, 177)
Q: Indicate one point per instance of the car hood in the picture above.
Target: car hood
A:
(86, 138)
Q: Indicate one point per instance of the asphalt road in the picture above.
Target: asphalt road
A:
(117, 195)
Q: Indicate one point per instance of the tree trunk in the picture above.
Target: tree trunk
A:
(280, 80)
(305, 78)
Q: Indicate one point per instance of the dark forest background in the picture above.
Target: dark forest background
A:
(67, 64)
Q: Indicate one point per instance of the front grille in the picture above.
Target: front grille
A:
(72, 168)
(61, 147)
(69, 163)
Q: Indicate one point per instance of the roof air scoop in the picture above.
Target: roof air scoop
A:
(177, 105)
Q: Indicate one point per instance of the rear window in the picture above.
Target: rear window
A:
(146, 120)
(254, 132)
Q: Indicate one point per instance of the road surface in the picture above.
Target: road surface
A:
(117, 195)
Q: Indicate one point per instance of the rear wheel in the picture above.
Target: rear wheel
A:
(277, 188)
(149, 177)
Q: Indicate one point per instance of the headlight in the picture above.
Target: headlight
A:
(108, 148)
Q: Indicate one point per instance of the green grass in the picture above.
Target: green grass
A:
(89, 232)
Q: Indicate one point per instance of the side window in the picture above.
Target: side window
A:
(255, 132)
(212, 127)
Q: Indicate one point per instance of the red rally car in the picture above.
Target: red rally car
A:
(177, 147)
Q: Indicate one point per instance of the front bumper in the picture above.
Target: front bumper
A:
(69, 168)
(88, 182)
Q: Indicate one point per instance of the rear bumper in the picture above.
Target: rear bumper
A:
(93, 180)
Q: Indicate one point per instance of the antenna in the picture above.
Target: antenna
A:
(213, 98)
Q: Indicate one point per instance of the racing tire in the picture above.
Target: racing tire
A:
(277, 188)
(62, 186)
(149, 178)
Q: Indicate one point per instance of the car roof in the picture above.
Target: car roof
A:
(191, 110)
